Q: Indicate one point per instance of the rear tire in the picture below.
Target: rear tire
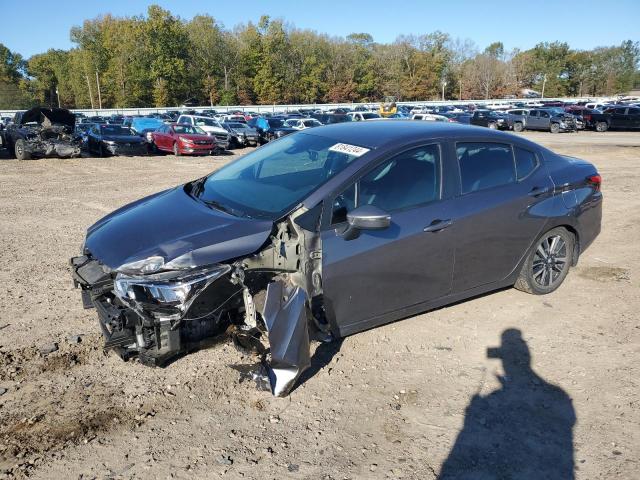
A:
(493, 126)
(602, 126)
(518, 127)
(555, 128)
(21, 150)
(548, 263)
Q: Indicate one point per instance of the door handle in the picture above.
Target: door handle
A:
(437, 225)
(537, 191)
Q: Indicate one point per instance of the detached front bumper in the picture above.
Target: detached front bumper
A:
(53, 148)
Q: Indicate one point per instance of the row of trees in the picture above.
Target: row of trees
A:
(161, 60)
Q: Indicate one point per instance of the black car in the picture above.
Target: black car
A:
(490, 119)
(621, 117)
(43, 132)
(270, 128)
(332, 231)
(104, 139)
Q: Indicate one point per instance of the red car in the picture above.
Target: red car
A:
(183, 140)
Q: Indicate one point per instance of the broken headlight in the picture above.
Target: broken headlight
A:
(166, 295)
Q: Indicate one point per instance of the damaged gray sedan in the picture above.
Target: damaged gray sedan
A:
(332, 231)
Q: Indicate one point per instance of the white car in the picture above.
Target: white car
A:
(210, 126)
(430, 117)
(302, 123)
(362, 116)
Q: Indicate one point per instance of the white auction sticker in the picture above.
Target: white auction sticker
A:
(352, 150)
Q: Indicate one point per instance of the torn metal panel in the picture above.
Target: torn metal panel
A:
(285, 316)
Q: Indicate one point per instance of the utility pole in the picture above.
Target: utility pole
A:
(99, 93)
(58, 96)
(544, 82)
(444, 84)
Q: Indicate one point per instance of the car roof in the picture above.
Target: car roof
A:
(382, 133)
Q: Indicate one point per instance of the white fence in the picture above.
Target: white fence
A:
(321, 106)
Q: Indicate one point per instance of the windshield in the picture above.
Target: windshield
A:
(188, 129)
(209, 122)
(368, 116)
(114, 130)
(275, 122)
(236, 125)
(144, 123)
(311, 123)
(273, 179)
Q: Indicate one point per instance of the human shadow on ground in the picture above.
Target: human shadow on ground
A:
(522, 431)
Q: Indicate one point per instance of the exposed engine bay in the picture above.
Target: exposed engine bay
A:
(44, 132)
(269, 302)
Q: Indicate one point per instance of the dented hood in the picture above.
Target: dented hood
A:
(173, 225)
(48, 116)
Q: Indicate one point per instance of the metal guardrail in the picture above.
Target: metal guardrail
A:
(321, 106)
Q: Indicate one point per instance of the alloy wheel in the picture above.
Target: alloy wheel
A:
(549, 261)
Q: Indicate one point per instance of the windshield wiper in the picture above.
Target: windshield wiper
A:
(223, 208)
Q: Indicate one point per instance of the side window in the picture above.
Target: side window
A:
(407, 180)
(544, 114)
(484, 165)
(526, 162)
(343, 204)
(533, 113)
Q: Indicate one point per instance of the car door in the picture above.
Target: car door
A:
(369, 279)
(495, 223)
(633, 115)
(533, 120)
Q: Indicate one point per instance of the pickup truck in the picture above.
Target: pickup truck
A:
(620, 117)
(490, 119)
(548, 119)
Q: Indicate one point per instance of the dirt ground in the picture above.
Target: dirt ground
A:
(387, 403)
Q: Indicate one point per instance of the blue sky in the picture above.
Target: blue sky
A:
(34, 26)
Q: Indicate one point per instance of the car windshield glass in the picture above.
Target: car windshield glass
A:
(275, 122)
(236, 125)
(114, 130)
(144, 123)
(367, 116)
(209, 122)
(188, 129)
(270, 181)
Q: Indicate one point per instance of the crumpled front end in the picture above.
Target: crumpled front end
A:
(52, 141)
(268, 301)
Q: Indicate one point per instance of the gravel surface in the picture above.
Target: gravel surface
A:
(393, 402)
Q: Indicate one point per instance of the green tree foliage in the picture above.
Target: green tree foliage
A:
(160, 59)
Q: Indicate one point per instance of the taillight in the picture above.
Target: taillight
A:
(587, 118)
(595, 181)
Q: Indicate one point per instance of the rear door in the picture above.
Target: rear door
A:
(494, 223)
(368, 278)
(634, 117)
(533, 120)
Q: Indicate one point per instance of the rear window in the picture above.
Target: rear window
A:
(526, 162)
(485, 165)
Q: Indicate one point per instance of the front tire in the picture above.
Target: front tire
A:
(555, 128)
(176, 149)
(548, 263)
(518, 127)
(493, 126)
(21, 150)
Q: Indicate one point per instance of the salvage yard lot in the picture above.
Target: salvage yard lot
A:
(387, 403)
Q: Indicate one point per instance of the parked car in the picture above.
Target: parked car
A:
(270, 128)
(82, 131)
(104, 140)
(362, 116)
(302, 123)
(182, 139)
(432, 117)
(458, 117)
(331, 118)
(583, 113)
(490, 119)
(333, 231)
(143, 126)
(42, 132)
(242, 135)
(211, 127)
(616, 118)
(549, 120)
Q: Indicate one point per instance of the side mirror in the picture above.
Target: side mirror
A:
(366, 217)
